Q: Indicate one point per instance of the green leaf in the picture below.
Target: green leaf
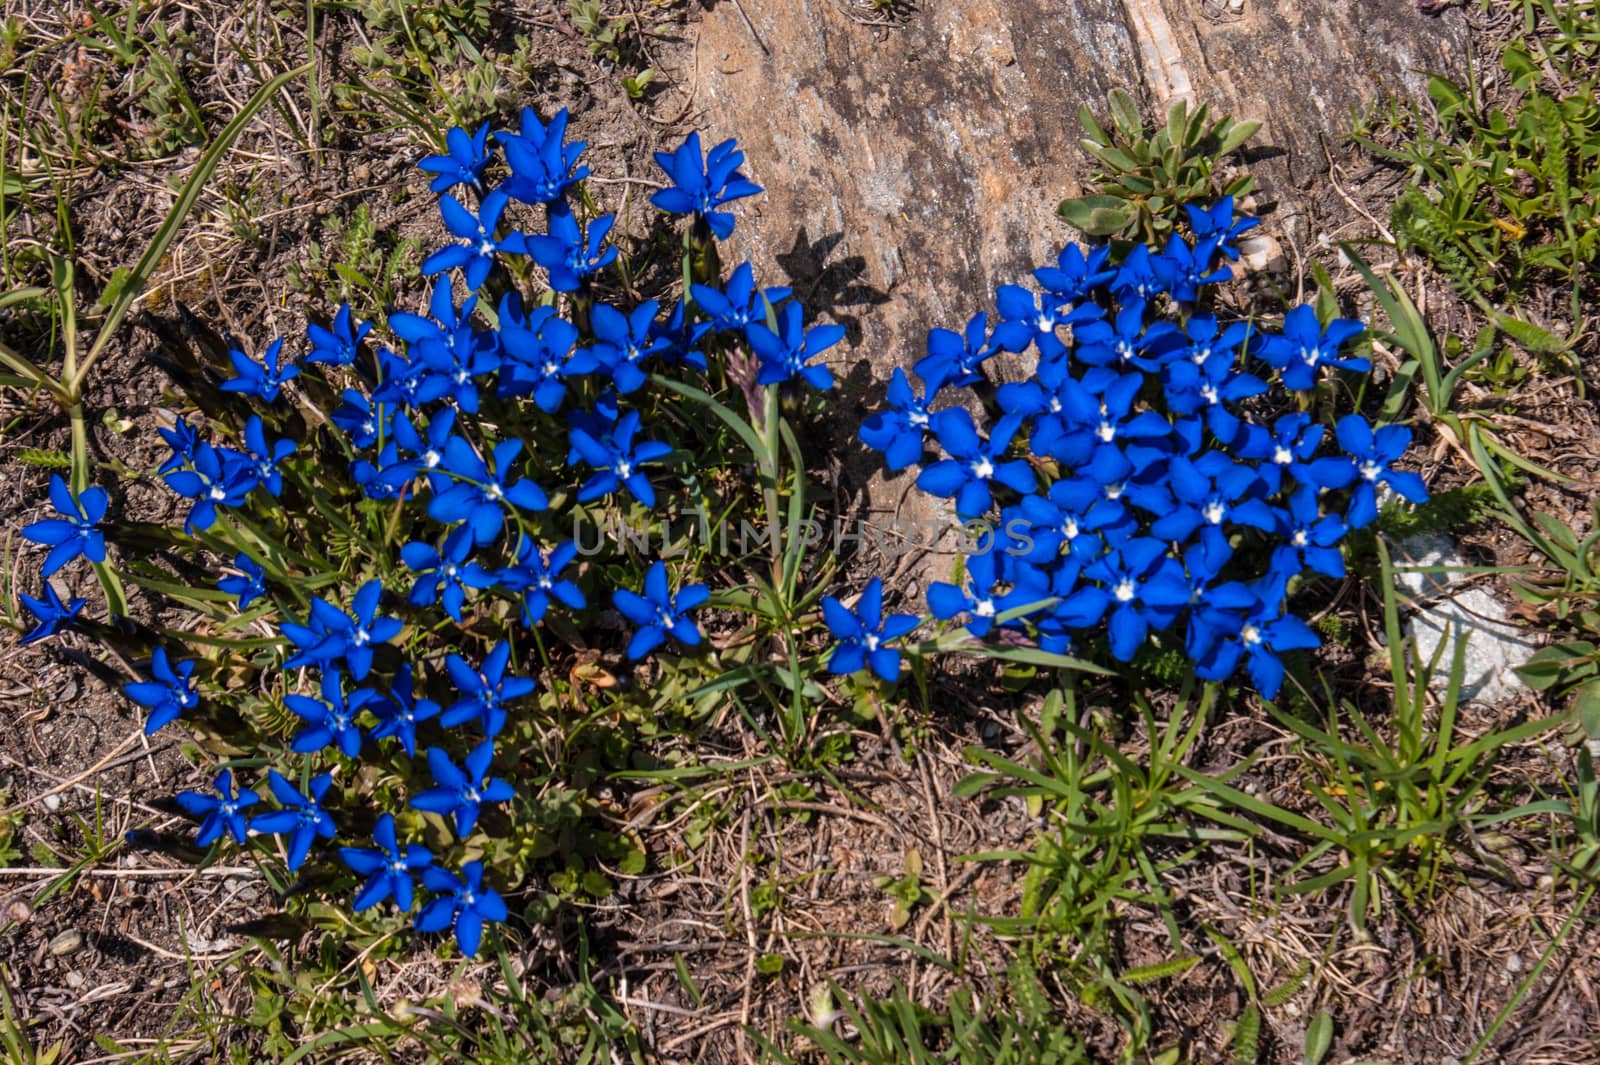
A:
(1098, 216)
(1125, 114)
(1586, 707)
(769, 964)
(1319, 1038)
(1238, 135)
(1448, 97)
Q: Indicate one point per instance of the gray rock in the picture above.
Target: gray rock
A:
(65, 943)
(1446, 607)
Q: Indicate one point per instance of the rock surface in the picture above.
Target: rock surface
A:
(909, 170)
(1447, 611)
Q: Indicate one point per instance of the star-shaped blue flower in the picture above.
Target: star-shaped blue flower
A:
(465, 159)
(568, 255)
(168, 694)
(864, 633)
(302, 818)
(617, 458)
(479, 244)
(263, 379)
(222, 811)
(50, 613)
(1373, 452)
(462, 791)
(543, 165)
(484, 692)
(463, 902)
(784, 354)
(658, 612)
(74, 533)
(249, 584)
(702, 184)
(388, 867)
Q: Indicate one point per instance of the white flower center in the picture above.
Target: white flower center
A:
(1282, 456)
(1250, 635)
(1300, 539)
(984, 608)
(983, 469)
(493, 492)
(1124, 591)
(1370, 470)
(624, 469)
(1214, 512)
(870, 641)
(1106, 432)
(1069, 527)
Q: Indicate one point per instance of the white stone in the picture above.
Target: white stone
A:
(1444, 607)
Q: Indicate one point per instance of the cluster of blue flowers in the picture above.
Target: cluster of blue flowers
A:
(475, 491)
(1138, 481)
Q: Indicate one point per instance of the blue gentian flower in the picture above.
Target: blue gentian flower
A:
(302, 818)
(484, 692)
(1212, 491)
(898, 431)
(537, 357)
(168, 694)
(462, 901)
(264, 456)
(1075, 274)
(476, 254)
(1309, 538)
(864, 633)
(426, 450)
(222, 811)
(263, 379)
(249, 584)
(446, 352)
(1372, 454)
(1304, 347)
(700, 185)
(978, 598)
(543, 166)
(460, 792)
(331, 719)
(1141, 586)
(738, 304)
(1218, 226)
(784, 354)
(465, 160)
(624, 341)
(73, 534)
(1289, 449)
(1258, 634)
(387, 867)
(330, 634)
(568, 256)
(536, 578)
(1137, 278)
(678, 337)
(1129, 342)
(364, 424)
(50, 612)
(1184, 270)
(617, 458)
(1029, 319)
(400, 713)
(955, 358)
(336, 346)
(183, 441)
(443, 577)
(974, 463)
(659, 613)
(479, 497)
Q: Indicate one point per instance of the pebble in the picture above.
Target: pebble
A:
(52, 803)
(68, 942)
(19, 912)
(74, 979)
